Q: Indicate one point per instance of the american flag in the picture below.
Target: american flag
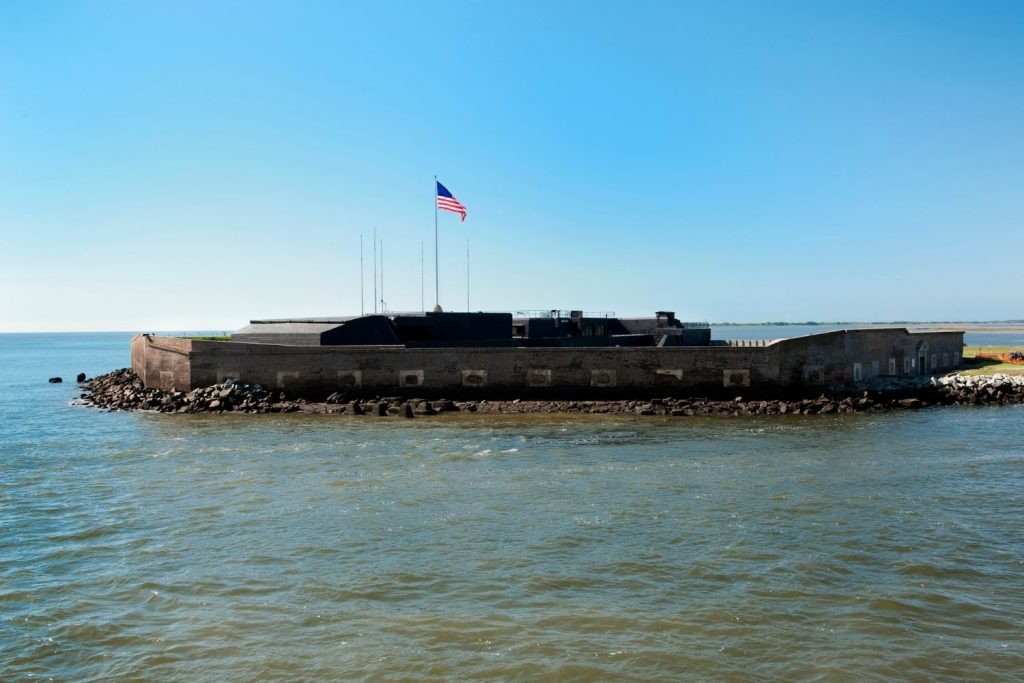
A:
(446, 201)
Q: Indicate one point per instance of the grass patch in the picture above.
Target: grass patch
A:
(226, 337)
(973, 351)
(972, 365)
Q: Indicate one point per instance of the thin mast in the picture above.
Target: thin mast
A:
(375, 271)
(423, 305)
(467, 275)
(382, 308)
(437, 277)
(362, 279)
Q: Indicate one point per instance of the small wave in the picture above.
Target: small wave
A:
(346, 483)
(83, 535)
(466, 454)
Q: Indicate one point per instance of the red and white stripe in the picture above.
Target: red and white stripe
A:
(451, 204)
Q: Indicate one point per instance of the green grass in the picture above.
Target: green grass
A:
(218, 338)
(985, 366)
(972, 351)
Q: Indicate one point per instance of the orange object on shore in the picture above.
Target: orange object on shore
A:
(1011, 357)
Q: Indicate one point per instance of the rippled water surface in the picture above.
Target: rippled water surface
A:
(156, 547)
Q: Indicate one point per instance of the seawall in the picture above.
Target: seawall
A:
(123, 390)
(799, 365)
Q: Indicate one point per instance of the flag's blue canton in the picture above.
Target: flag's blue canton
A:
(442, 191)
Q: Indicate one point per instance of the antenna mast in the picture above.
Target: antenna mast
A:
(437, 277)
(375, 271)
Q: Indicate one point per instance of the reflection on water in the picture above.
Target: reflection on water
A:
(323, 547)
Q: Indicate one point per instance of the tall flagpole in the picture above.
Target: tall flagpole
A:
(423, 305)
(375, 271)
(467, 275)
(437, 277)
(362, 278)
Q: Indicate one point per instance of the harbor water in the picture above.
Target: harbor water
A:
(137, 546)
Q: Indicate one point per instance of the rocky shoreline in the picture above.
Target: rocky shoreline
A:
(123, 390)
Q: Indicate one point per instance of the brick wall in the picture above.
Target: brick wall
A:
(785, 365)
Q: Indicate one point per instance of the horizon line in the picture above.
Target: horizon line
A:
(224, 330)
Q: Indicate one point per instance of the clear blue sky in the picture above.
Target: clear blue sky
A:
(192, 165)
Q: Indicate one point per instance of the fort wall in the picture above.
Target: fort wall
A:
(847, 357)
(794, 365)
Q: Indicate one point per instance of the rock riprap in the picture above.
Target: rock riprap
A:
(123, 390)
(980, 389)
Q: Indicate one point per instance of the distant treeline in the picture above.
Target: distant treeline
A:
(880, 322)
(782, 324)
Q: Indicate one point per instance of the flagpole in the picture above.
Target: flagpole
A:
(362, 278)
(375, 271)
(467, 275)
(423, 305)
(437, 276)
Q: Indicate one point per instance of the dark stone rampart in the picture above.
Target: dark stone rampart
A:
(797, 367)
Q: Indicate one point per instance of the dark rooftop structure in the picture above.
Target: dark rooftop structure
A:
(552, 328)
(373, 330)
(576, 328)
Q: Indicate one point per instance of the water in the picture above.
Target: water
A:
(239, 548)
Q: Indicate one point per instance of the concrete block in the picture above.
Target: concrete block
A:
(474, 378)
(410, 378)
(736, 377)
(538, 377)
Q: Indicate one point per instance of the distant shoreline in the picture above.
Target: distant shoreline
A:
(1008, 327)
(997, 326)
